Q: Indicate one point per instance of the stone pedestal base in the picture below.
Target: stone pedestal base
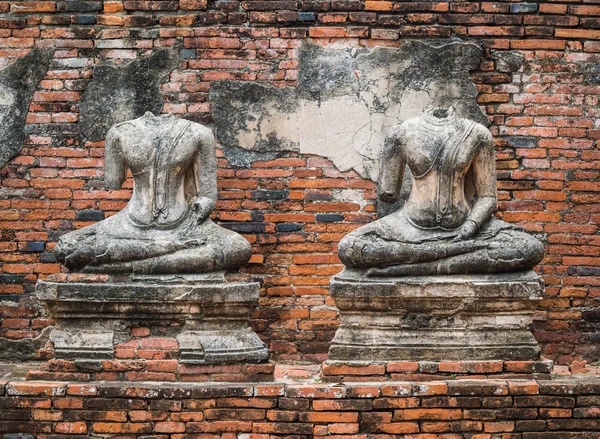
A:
(437, 318)
(193, 319)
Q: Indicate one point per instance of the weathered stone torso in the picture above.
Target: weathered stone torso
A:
(159, 152)
(439, 155)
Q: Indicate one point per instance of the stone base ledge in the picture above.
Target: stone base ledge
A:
(451, 409)
(362, 371)
(151, 370)
(196, 319)
(570, 387)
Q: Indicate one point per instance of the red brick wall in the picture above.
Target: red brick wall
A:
(544, 122)
(432, 410)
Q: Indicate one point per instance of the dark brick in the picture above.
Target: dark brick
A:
(272, 5)
(329, 217)
(212, 18)
(12, 23)
(293, 404)
(246, 227)
(34, 246)
(522, 142)
(15, 415)
(48, 258)
(523, 8)
(90, 215)
(289, 227)
(227, 5)
(530, 425)
(306, 16)
(346, 5)
(79, 6)
(11, 279)
(269, 195)
(84, 19)
(188, 53)
(544, 401)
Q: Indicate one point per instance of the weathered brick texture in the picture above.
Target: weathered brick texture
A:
(432, 410)
(544, 119)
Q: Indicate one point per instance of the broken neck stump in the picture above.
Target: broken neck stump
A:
(440, 279)
(157, 296)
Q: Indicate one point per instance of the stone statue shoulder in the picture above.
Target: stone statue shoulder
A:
(116, 127)
(202, 131)
(117, 134)
(482, 133)
(478, 138)
(476, 131)
(402, 129)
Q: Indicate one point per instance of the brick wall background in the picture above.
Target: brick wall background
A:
(544, 119)
(432, 410)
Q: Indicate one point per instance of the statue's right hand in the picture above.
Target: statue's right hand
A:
(467, 230)
(203, 207)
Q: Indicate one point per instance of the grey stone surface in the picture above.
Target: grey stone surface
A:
(435, 318)
(446, 225)
(244, 158)
(347, 99)
(508, 61)
(17, 85)
(119, 93)
(208, 315)
(211, 347)
(165, 228)
(71, 344)
(23, 349)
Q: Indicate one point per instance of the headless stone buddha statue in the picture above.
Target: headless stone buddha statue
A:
(440, 229)
(165, 228)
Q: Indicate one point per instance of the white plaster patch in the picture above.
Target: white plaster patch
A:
(347, 101)
(350, 196)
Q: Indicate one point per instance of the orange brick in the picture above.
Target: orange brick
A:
(498, 427)
(432, 414)
(112, 7)
(399, 427)
(193, 4)
(378, 5)
(577, 34)
(345, 369)
(169, 427)
(129, 428)
(70, 427)
(552, 9)
(327, 32)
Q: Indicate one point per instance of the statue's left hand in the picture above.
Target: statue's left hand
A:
(203, 207)
(467, 230)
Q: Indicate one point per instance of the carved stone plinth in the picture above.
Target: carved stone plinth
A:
(435, 318)
(203, 319)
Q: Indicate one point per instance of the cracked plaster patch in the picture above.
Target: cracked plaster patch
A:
(120, 93)
(347, 100)
(17, 85)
